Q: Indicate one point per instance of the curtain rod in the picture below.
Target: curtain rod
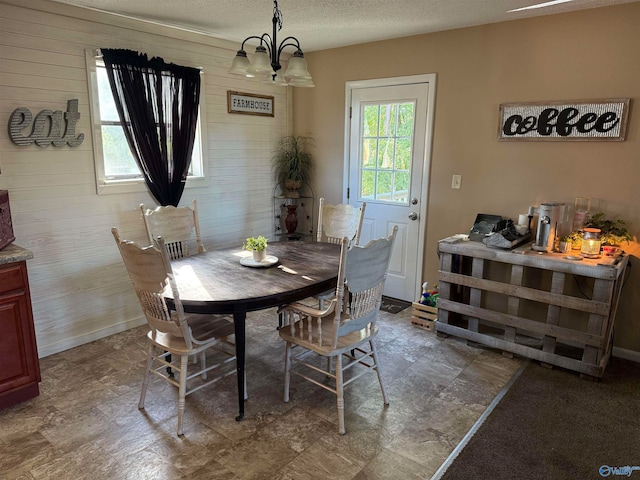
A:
(98, 54)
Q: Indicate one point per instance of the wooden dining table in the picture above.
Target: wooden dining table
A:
(215, 282)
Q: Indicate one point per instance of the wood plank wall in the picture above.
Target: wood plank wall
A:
(79, 287)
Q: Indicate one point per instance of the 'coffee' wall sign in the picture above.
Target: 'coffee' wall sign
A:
(600, 120)
(47, 127)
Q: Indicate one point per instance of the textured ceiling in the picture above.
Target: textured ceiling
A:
(321, 24)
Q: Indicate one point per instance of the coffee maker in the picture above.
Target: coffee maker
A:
(550, 221)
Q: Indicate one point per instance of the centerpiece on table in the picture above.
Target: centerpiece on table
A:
(256, 245)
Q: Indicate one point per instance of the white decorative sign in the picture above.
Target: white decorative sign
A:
(249, 104)
(568, 120)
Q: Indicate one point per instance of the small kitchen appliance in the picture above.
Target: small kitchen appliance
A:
(550, 221)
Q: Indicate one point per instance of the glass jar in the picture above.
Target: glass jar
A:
(591, 243)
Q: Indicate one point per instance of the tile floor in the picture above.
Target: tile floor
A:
(86, 425)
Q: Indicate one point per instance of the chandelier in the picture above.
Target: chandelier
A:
(265, 63)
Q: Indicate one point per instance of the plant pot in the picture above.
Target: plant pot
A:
(259, 256)
(292, 188)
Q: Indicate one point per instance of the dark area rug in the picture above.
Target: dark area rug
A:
(551, 424)
(393, 305)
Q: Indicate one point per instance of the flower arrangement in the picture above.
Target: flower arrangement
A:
(257, 244)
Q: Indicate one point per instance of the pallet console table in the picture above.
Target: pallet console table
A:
(540, 306)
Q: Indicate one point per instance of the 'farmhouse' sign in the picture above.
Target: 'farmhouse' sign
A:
(49, 128)
(584, 120)
(249, 104)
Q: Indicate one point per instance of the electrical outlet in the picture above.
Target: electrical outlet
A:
(456, 181)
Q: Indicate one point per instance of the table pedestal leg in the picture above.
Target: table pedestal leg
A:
(239, 318)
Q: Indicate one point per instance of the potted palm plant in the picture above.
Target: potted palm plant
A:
(292, 163)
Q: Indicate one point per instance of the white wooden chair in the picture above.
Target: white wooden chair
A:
(338, 221)
(176, 225)
(172, 333)
(334, 223)
(345, 327)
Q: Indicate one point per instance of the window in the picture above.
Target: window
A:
(387, 139)
(116, 169)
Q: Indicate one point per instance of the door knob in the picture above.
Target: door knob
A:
(413, 216)
(414, 201)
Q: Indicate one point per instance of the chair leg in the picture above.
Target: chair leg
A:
(203, 364)
(340, 394)
(169, 370)
(376, 364)
(182, 390)
(287, 372)
(147, 375)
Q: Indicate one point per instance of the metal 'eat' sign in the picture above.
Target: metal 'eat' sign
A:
(49, 128)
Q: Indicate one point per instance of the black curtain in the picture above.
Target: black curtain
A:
(158, 106)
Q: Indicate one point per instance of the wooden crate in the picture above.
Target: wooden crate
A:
(424, 315)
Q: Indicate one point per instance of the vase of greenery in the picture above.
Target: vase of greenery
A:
(292, 163)
(612, 232)
(256, 245)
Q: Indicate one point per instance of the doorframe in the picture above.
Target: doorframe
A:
(430, 79)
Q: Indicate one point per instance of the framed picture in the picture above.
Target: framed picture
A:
(589, 120)
(249, 104)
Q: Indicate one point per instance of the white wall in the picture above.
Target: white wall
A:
(79, 288)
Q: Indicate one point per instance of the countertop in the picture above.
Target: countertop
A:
(14, 253)
(602, 267)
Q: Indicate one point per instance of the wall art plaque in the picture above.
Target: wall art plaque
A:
(249, 104)
(585, 120)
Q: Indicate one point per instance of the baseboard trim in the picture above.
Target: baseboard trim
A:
(67, 343)
(626, 354)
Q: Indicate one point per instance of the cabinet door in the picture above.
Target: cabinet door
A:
(18, 360)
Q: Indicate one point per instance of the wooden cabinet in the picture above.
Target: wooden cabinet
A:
(542, 306)
(19, 365)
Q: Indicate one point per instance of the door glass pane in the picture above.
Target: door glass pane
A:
(368, 184)
(370, 120)
(369, 152)
(385, 154)
(386, 146)
(383, 186)
(387, 120)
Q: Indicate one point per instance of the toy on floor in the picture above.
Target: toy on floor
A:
(429, 296)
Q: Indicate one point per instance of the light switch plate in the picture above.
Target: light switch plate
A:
(456, 181)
